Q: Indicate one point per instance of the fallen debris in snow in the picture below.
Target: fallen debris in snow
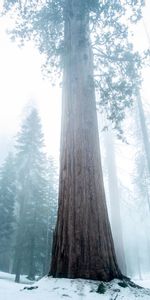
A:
(30, 287)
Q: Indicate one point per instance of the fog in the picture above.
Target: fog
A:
(125, 163)
(22, 85)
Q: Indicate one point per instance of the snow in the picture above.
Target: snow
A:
(144, 283)
(75, 289)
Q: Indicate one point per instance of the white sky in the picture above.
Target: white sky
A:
(22, 83)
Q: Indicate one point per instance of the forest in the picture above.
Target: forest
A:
(74, 149)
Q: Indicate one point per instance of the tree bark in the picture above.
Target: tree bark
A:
(31, 274)
(19, 240)
(18, 269)
(82, 245)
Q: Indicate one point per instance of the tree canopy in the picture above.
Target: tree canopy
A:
(117, 66)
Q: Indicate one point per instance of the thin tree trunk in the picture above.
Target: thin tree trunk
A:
(144, 131)
(83, 245)
(18, 268)
(32, 242)
(31, 275)
(48, 249)
(138, 259)
(19, 241)
(116, 222)
(18, 253)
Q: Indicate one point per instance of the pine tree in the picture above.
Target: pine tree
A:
(142, 179)
(52, 188)
(7, 211)
(144, 130)
(31, 196)
(114, 196)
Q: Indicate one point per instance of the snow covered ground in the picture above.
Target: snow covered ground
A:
(58, 289)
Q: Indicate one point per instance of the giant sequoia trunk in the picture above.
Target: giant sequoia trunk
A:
(82, 245)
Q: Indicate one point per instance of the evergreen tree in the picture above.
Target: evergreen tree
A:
(144, 131)
(114, 197)
(7, 211)
(142, 180)
(33, 202)
(52, 188)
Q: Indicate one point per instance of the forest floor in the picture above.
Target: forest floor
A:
(77, 289)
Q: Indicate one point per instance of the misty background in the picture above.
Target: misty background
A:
(125, 166)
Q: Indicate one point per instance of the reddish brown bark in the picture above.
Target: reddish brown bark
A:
(82, 245)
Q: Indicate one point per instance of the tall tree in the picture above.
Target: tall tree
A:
(33, 202)
(142, 175)
(7, 211)
(144, 130)
(83, 245)
(114, 196)
(52, 195)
